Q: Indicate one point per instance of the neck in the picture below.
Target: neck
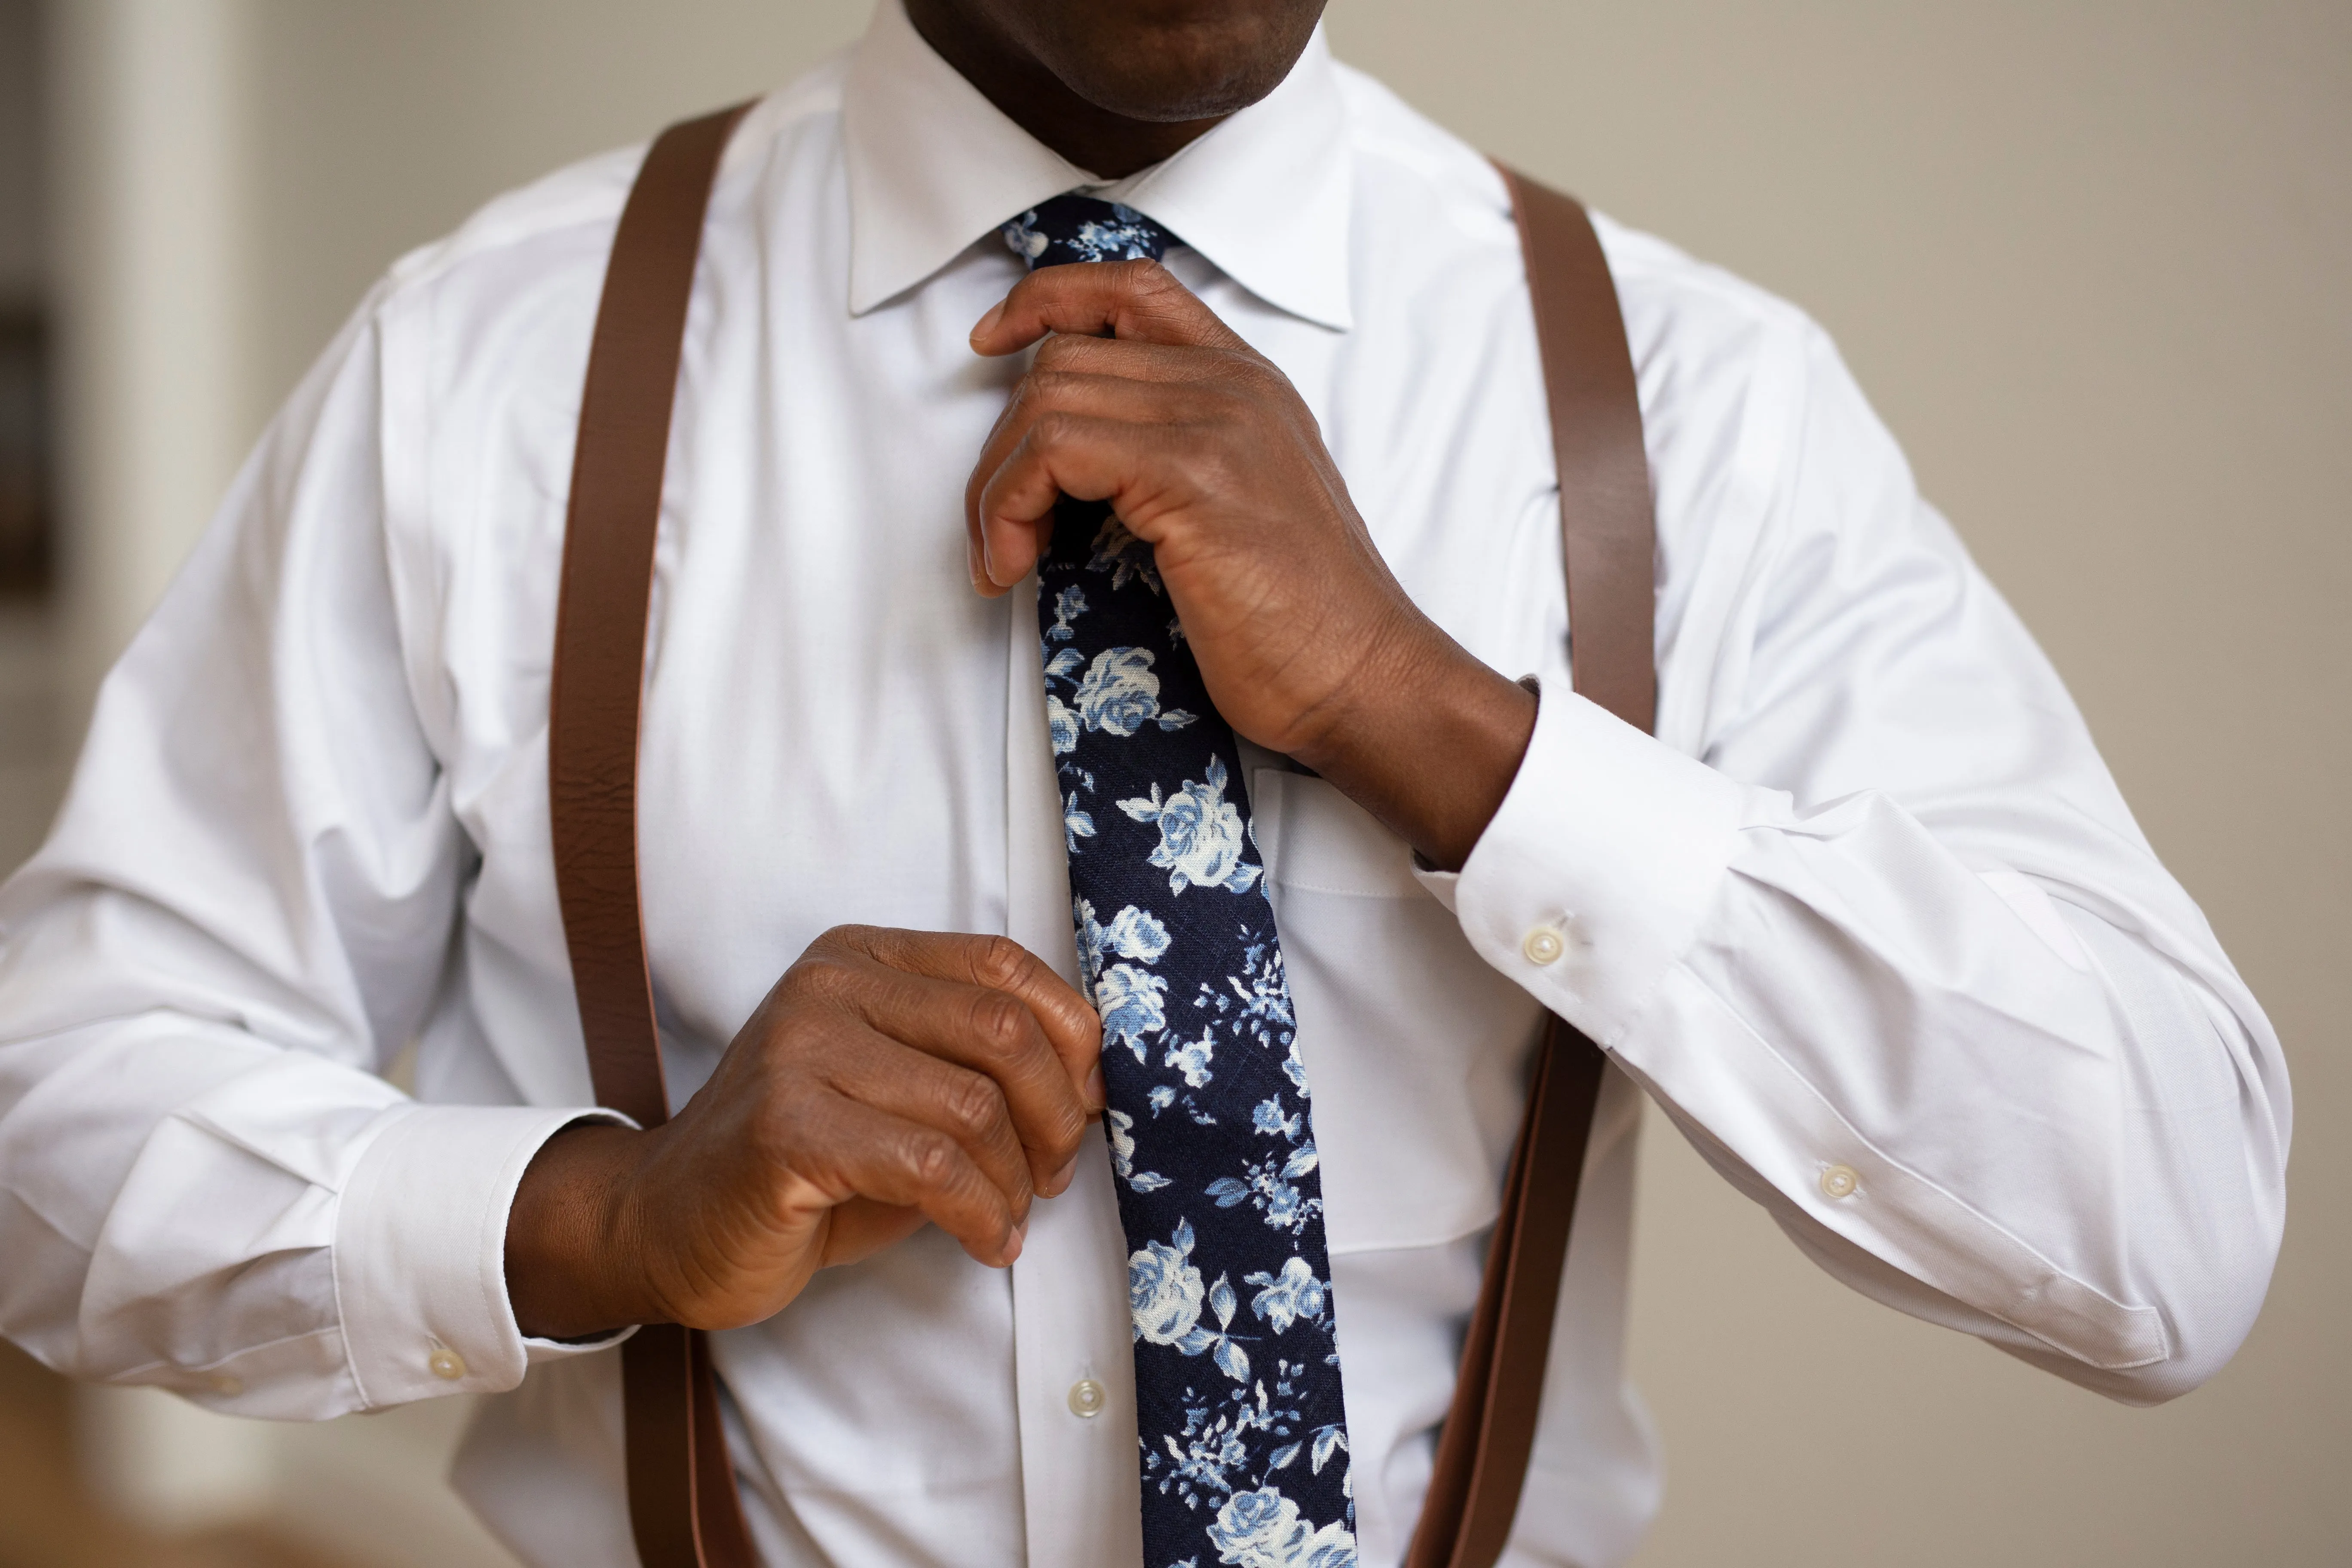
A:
(1105, 143)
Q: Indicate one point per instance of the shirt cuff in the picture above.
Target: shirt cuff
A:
(420, 1252)
(1598, 867)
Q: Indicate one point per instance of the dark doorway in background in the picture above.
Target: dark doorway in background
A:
(25, 494)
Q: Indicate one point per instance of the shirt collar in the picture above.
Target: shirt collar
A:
(933, 166)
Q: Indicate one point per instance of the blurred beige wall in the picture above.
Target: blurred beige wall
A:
(23, 231)
(2091, 259)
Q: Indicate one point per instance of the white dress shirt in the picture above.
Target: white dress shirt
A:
(1867, 917)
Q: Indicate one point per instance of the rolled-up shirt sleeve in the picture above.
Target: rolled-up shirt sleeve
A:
(243, 913)
(1882, 938)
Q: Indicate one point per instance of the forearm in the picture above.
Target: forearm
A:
(572, 1264)
(1426, 739)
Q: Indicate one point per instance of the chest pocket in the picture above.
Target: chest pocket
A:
(1418, 1051)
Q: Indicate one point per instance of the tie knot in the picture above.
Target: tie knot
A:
(1074, 227)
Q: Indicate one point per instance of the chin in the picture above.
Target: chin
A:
(1174, 60)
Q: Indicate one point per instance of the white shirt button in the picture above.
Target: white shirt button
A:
(447, 1365)
(1087, 1398)
(1543, 946)
(1840, 1182)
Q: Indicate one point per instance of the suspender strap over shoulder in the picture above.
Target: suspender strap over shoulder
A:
(683, 1505)
(1605, 519)
(1608, 544)
(684, 1509)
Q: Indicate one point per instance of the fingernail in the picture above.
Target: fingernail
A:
(1098, 1092)
(1059, 1183)
(1012, 1248)
(980, 330)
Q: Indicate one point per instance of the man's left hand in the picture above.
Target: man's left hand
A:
(1140, 397)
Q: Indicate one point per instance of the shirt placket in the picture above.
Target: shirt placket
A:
(1073, 1377)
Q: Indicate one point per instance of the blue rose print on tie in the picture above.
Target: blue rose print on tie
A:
(1120, 695)
(1242, 1432)
(1288, 1296)
(1200, 834)
(1262, 1529)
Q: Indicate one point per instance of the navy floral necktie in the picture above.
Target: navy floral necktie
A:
(1244, 1438)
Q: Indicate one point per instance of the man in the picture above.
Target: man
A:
(1866, 918)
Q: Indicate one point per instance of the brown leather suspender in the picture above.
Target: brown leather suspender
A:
(1608, 538)
(683, 1505)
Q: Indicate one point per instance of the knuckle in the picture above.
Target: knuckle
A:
(999, 962)
(1047, 387)
(1244, 375)
(975, 1105)
(826, 977)
(997, 1021)
(840, 939)
(1216, 470)
(1031, 393)
(928, 1157)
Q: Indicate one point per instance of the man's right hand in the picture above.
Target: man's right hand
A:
(890, 1078)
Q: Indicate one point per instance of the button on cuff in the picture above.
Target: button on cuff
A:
(1630, 835)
